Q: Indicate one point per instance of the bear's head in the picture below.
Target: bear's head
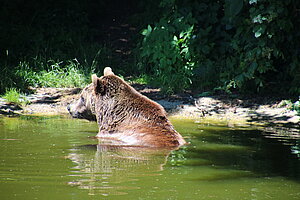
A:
(84, 107)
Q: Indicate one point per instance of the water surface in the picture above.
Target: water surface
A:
(55, 158)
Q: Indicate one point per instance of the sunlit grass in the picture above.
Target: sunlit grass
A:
(60, 74)
(13, 95)
(143, 79)
(54, 71)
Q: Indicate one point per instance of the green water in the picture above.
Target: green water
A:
(54, 158)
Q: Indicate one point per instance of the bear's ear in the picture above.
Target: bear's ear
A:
(108, 71)
(98, 87)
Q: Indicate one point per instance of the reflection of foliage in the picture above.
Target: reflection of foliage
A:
(295, 149)
(39, 118)
(248, 45)
(177, 158)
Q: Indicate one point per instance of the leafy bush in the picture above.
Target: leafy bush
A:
(165, 49)
(258, 49)
(249, 45)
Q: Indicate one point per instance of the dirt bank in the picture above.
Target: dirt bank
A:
(44, 101)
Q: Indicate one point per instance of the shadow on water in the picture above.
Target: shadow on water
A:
(253, 151)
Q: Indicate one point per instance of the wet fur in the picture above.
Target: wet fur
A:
(127, 117)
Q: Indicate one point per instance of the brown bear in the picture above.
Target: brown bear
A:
(124, 115)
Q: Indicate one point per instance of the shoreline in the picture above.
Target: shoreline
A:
(231, 112)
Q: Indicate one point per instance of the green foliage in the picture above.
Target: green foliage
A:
(143, 79)
(13, 95)
(248, 45)
(259, 48)
(296, 106)
(166, 48)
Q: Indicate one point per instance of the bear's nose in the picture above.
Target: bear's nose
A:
(68, 107)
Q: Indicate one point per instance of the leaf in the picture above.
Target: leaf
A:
(144, 32)
(259, 31)
(147, 31)
(175, 38)
(184, 50)
(149, 28)
(257, 34)
(252, 1)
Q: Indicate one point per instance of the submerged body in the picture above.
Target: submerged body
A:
(124, 115)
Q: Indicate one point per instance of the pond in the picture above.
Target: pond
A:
(55, 158)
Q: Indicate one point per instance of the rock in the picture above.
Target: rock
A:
(168, 105)
(10, 109)
(294, 119)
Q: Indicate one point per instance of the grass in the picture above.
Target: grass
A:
(143, 79)
(59, 74)
(14, 95)
(39, 71)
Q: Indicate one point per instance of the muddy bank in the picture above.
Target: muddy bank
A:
(215, 109)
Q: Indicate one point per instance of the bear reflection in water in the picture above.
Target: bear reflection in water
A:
(124, 115)
(107, 169)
